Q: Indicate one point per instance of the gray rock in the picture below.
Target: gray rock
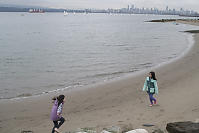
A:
(113, 129)
(126, 128)
(138, 131)
(148, 125)
(104, 131)
(158, 131)
(183, 127)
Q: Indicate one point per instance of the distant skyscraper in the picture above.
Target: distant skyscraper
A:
(132, 6)
(167, 8)
(128, 7)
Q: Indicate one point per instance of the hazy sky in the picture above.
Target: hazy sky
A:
(104, 4)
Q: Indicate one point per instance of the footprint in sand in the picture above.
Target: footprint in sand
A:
(197, 120)
(158, 115)
(162, 110)
(195, 110)
(141, 101)
(109, 115)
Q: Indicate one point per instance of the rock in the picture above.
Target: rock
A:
(104, 131)
(125, 128)
(163, 20)
(183, 127)
(138, 131)
(86, 130)
(158, 131)
(148, 125)
(192, 31)
(113, 129)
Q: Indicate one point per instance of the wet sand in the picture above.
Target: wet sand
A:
(120, 102)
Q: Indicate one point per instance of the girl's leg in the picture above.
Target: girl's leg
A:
(55, 126)
(61, 122)
(152, 98)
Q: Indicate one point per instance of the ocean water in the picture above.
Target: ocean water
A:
(43, 53)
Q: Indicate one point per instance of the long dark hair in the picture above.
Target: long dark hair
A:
(153, 75)
(60, 99)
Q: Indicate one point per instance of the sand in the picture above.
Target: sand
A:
(120, 102)
(189, 21)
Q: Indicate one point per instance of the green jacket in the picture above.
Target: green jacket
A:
(150, 86)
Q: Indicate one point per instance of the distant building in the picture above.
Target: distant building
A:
(132, 6)
(128, 8)
(36, 11)
(167, 8)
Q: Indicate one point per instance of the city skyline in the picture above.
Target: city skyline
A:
(130, 9)
(105, 4)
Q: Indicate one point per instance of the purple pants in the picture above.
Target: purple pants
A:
(151, 98)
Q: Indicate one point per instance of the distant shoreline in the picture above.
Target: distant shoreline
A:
(106, 11)
(83, 11)
(177, 21)
(183, 21)
(186, 21)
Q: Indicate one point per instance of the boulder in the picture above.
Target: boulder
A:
(183, 127)
(138, 131)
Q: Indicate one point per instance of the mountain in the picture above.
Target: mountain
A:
(20, 6)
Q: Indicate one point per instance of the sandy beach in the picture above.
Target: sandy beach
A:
(121, 102)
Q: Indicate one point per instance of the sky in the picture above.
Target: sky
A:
(105, 4)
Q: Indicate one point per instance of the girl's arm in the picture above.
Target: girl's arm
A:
(145, 85)
(156, 87)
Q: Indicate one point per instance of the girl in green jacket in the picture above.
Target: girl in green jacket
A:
(151, 87)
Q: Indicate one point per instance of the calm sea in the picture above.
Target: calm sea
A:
(43, 53)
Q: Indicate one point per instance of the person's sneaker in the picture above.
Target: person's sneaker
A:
(150, 105)
(155, 102)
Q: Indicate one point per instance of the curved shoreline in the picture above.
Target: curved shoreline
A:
(120, 102)
(190, 40)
